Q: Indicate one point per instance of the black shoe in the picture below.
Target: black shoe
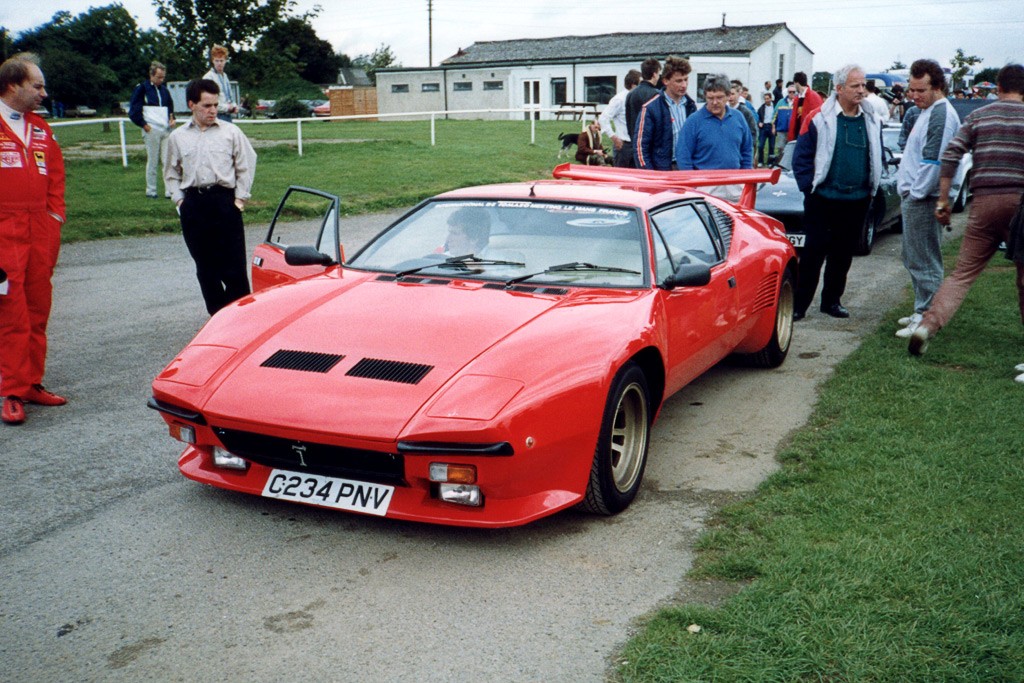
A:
(797, 315)
(836, 311)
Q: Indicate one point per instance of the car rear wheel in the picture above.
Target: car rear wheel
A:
(775, 352)
(868, 232)
(621, 454)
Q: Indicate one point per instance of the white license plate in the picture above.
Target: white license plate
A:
(797, 239)
(330, 492)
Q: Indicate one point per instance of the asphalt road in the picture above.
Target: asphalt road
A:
(114, 567)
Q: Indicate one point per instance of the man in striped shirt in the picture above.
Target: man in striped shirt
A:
(995, 136)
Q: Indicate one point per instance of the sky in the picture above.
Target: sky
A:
(872, 33)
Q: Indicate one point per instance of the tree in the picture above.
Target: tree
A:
(989, 74)
(195, 25)
(380, 58)
(897, 65)
(93, 58)
(961, 64)
(309, 55)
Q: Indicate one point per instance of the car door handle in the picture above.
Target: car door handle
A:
(732, 283)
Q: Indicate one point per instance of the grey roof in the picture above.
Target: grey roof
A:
(612, 46)
(355, 77)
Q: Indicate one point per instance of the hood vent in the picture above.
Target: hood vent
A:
(304, 361)
(415, 280)
(529, 289)
(390, 370)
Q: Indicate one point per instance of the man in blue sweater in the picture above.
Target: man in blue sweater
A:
(716, 137)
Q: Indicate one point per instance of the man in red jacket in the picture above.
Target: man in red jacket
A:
(31, 214)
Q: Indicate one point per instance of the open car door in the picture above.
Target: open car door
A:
(305, 217)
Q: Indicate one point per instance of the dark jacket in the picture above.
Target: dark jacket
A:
(146, 95)
(652, 143)
(635, 102)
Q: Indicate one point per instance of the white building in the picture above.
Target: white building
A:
(538, 74)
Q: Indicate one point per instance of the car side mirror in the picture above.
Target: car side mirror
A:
(688, 275)
(305, 255)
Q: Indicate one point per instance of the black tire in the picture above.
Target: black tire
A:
(867, 233)
(775, 351)
(621, 454)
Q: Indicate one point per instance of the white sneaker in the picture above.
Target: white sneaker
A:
(904, 321)
(1019, 378)
(910, 325)
(1019, 367)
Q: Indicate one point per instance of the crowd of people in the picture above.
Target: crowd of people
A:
(645, 120)
(838, 164)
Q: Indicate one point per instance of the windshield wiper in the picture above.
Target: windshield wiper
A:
(574, 267)
(461, 263)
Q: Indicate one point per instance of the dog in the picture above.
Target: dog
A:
(568, 140)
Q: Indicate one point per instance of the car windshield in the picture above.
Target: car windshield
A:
(513, 241)
(891, 137)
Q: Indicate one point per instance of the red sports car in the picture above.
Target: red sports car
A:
(496, 355)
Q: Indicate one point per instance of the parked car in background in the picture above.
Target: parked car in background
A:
(785, 202)
(80, 111)
(959, 190)
(494, 356)
(322, 109)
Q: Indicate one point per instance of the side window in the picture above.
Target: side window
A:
(681, 237)
(721, 238)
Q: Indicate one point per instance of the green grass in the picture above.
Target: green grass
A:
(890, 547)
(381, 165)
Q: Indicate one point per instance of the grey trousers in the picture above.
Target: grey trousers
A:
(922, 255)
(156, 149)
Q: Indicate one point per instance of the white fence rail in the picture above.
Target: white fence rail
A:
(300, 122)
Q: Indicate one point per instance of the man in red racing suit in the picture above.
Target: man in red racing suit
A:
(31, 214)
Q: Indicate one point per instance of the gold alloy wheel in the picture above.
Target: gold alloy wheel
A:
(784, 315)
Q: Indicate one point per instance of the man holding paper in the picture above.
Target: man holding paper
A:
(152, 110)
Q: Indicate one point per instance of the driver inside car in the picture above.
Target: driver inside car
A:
(469, 231)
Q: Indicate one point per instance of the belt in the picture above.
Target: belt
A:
(208, 188)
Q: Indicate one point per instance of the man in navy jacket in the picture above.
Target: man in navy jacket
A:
(662, 117)
(152, 110)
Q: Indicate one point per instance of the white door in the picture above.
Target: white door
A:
(531, 99)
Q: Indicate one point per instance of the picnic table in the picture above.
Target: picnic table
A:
(576, 110)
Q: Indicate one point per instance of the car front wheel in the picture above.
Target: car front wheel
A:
(621, 454)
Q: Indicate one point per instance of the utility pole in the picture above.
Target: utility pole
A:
(430, 32)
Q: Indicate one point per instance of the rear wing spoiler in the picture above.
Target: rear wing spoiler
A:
(679, 180)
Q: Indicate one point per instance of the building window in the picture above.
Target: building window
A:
(701, 79)
(558, 91)
(462, 86)
(431, 87)
(400, 87)
(494, 85)
(598, 89)
(782, 67)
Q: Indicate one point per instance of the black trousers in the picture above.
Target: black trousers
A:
(212, 227)
(624, 156)
(833, 227)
